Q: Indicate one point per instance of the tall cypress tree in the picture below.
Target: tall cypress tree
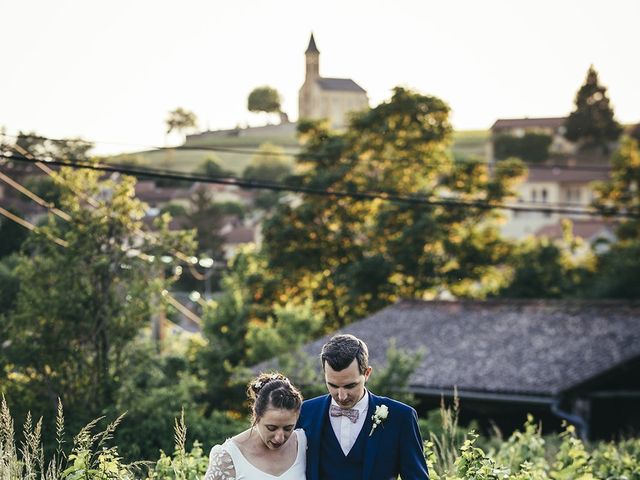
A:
(592, 122)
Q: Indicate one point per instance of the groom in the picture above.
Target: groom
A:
(353, 434)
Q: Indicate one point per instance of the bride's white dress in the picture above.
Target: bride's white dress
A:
(226, 462)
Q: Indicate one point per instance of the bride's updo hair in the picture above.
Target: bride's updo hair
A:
(272, 390)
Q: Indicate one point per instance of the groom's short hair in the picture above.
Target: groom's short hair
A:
(341, 350)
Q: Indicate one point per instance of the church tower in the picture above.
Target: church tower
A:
(312, 73)
(327, 98)
(312, 56)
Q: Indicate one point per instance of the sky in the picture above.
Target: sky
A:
(110, 71)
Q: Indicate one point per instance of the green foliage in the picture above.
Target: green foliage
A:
(225, 328)
(231, 208)
(522, 457)
(288, 329)
(532, 147)
(80, 304)
(592, 122)
(270, 164)
(445, 436)
(619, 267)
(180, 120)
(9, 283)
(12, 235)
(617, 273)
(205, 217)
(173, 209)
(158, 383)
(210, 167)
(621, 193)
(264, 99)
(182, 465)
(393, 379)
(524, 447)
(617, 461)
(354, 257)
(572, 460)
(543, 268)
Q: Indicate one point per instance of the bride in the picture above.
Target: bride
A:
(270, 448)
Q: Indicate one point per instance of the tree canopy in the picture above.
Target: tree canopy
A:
(592, 122)
(82, 300)
(181, 120)
(264, 99)
(354, 257)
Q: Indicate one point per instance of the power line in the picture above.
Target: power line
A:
(31, 226)
(308, 155)
(143, 256)
(371, 195)
(40, 201)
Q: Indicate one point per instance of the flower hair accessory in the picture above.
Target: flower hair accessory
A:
(381, 413)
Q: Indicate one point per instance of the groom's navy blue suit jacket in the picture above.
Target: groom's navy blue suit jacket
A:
(395, 447)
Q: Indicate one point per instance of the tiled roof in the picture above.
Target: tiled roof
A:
(339, 84)
(587, 229)
(504, 123)
(505, 347)
(567, 175)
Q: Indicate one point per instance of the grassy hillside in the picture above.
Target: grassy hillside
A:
(467, 142)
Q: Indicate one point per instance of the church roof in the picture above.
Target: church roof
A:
(339, 84)
(312, 46)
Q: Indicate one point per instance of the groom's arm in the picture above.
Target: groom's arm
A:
(413, 465)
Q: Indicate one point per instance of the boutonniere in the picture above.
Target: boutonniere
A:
(381, 413)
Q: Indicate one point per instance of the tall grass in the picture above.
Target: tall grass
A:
(525, 455)
(91, 457)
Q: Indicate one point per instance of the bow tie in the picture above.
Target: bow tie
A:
(351, 413)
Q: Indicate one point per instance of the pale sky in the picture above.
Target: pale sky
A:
(110, 71)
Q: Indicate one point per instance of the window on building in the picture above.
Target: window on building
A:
(544, 195)
(534, 195)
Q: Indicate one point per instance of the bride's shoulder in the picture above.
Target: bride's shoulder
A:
(220, 464)
(302, 437)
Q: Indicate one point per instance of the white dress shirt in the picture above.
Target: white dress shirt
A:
(346, 431)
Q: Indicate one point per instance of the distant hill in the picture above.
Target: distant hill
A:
(188, 157)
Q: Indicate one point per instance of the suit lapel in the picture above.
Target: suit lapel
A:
(373, 441)
(315, 437)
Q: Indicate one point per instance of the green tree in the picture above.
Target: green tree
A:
(80, 301)
(270, 164)
(211, 167)
(353, 257)
(543, 268)
(618, 268)
(181, 120)
(621, 193)
(226, 322)
(12, 235)
(592, 122)
(264, 99)
(205, 217)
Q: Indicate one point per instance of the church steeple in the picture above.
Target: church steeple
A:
(312, 55)
(312, 46)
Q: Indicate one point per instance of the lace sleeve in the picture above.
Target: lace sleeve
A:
(220, 465)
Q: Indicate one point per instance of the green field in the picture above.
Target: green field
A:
(467, 142)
